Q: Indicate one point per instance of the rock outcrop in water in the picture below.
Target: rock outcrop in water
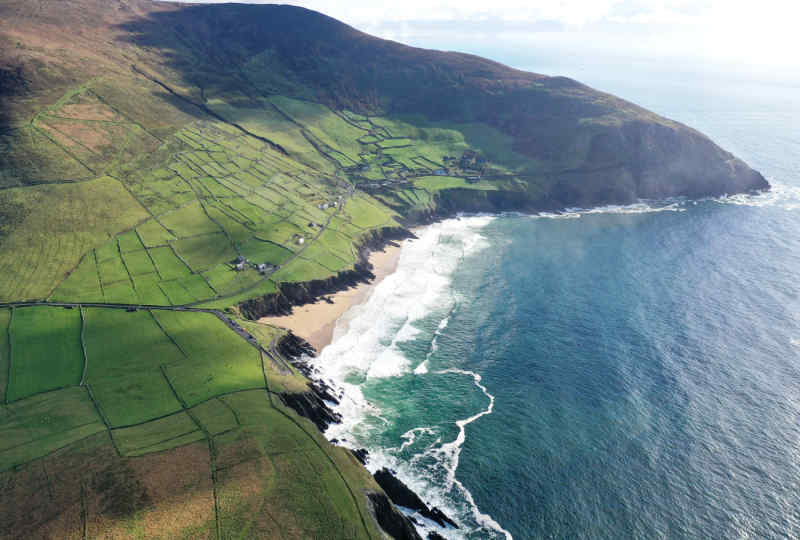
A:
(314, 406)
(391, 520)
(401, 495)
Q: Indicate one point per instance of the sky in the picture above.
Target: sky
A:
(741, 38)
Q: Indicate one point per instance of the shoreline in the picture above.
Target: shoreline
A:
(316, 322)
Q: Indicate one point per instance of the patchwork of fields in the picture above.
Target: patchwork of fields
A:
(127, 396)
(99, 381)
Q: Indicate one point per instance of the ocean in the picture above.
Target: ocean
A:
(619, 372)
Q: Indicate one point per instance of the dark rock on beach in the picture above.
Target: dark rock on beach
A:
(402, 495)
(361, 455)
(290, 295)
(391, 520)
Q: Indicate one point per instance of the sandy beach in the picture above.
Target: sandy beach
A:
(315, 322)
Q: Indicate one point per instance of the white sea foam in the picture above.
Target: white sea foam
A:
(366, 346)
(422, 368)
(451, 453)
(642, 207)
(410, 436)
(780, 196)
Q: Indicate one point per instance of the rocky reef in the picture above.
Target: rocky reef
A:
(402, 495)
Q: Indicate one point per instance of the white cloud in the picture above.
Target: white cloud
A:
(743, 31)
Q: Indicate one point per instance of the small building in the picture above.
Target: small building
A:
(263, 267)
(301, 241)
(240, 266)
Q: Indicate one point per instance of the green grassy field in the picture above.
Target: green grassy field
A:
(46, 350)
(219, 360)
(203, 252)
(36, 426)
(138, 262)
(433, 184)
(83, 283)
(169, 266)
(160, 434)
(5, 351)
(183, 198)
(260, 251)
(61, 223)
(132, 390)
(153, 234)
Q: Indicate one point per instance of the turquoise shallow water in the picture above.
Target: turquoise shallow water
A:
(621, 373)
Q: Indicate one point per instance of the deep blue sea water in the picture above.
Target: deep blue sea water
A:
(625, 372)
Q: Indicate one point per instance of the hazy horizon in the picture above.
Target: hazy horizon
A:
(734, 40)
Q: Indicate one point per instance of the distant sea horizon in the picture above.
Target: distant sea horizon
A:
(617, 372)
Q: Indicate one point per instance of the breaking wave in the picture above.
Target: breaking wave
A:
(780, 196)
(368, 347)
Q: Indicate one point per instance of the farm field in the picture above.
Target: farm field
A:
(154, 415)
(162, 388)
(133, 390)
(209, 195)
(46, 351)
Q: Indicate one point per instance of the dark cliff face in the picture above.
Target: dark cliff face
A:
(648, 160)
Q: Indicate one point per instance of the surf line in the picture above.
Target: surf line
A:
(422, 368)
(453, 451)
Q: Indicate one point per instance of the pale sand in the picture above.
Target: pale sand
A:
(315, 322)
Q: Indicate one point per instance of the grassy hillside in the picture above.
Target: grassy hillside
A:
(161, 164)
(184, 438)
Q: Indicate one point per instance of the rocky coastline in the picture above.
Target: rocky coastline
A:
(292, 295)
(314, 405)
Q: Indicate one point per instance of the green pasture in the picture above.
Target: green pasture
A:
(46, 351)
(203, 252)
(138, 262)
(219, 361)
(168, 264)
(36, 426)
(125, 352)
(59, 225)
(433, 184)
(82, 284)
(190, 220)
(160, 434)
(153, 234)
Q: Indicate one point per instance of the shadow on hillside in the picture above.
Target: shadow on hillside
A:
(232, 50)
(12, 84)
(260, 50)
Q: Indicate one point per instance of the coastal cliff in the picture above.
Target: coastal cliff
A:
(166, 166)
(290, 295)
(583, 147)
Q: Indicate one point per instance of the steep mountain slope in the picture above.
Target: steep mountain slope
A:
(585, 146)
(167, 171)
